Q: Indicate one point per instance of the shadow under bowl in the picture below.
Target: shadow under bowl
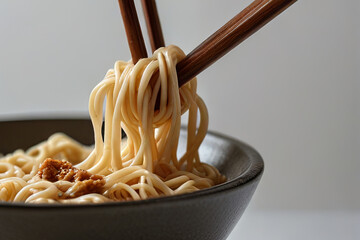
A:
(206, 214)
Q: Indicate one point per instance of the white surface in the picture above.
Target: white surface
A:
(292, 90)
(298, 225)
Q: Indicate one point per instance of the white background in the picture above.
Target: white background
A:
(292, 91)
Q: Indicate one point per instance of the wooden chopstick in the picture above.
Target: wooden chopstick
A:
(153, 24)
(133, 30)
(243, 25)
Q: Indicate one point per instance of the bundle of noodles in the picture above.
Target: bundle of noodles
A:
(144, 164)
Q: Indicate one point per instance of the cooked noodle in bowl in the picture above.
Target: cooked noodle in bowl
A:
(143, 165)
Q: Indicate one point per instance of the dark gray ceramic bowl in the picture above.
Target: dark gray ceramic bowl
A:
(206, 214)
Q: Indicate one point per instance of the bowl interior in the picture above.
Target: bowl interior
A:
(217, 150)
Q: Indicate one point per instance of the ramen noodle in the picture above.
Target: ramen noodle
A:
(142, 165)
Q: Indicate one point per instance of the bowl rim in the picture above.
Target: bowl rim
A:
(253, 171)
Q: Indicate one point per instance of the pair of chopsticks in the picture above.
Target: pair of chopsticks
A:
(239, 28)
(133, 30)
